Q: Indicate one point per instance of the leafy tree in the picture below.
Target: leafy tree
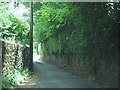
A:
(11, 26)
(77, 26)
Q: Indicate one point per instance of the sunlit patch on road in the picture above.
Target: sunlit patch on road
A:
(36, 57)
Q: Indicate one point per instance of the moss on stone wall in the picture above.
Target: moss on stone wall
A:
(93, 63)
(102, 67)
(14, 56)
(15, 60)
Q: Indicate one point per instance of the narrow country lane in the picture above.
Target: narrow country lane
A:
(51, 77)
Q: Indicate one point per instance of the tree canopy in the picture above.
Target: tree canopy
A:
(12, 26)
(77, 25)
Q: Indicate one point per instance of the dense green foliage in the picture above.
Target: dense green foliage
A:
(81, 36)
(70, 27)
(13, 77)
(12, 27)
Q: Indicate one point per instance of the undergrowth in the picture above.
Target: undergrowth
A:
(11, 78)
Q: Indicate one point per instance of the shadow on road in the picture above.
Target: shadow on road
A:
(38, 62)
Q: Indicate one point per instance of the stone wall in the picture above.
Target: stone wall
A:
(96, 65)
(14, 56)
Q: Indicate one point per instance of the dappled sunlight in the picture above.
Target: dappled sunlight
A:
(21, 84)
(36, 57)
(30, 83)
(24, 84)
(19, 11)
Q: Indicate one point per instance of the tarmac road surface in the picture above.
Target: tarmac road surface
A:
(49, 76)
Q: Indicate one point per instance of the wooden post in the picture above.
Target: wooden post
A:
(31, 37)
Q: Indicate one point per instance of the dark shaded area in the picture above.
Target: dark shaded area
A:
(38, 63)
